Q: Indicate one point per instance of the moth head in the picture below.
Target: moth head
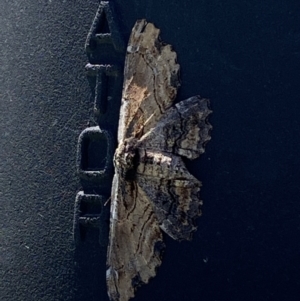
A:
(127, 158)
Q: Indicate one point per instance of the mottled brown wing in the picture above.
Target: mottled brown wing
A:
(173, 191)
(183, 130)
(135, 242)
(150, 81)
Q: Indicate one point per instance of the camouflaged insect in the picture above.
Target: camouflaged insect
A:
(152, 189)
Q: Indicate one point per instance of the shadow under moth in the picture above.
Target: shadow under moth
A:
(152, 189)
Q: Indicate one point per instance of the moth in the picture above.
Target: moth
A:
(152, 190)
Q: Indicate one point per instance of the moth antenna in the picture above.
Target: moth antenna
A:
(108, 200)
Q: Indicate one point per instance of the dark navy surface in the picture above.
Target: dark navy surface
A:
(245, 57)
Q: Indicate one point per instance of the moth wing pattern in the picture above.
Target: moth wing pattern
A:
(173, 191)
(136, 242)
(183, 130)
(152, 189)
(152, 87)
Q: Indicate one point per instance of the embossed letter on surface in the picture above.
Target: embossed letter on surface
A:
(92, 140)
(105, 51)
(152, 189)
(104, 29)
